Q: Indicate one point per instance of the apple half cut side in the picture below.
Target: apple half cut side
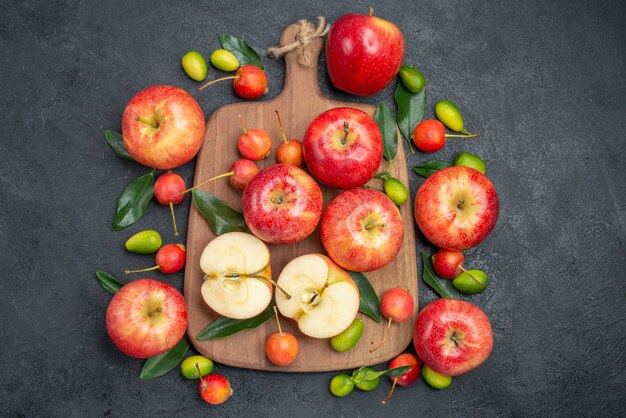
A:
(324, 298)
(237, 275)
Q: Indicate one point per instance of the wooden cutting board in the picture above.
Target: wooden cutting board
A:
(299, 103)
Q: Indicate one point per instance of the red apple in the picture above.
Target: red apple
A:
(362, 229)
(452, 336)
(447, 264)
(146, 317)
(343, 147)
(363, 53)
(163, 127)
(456, 208)
(282, 204)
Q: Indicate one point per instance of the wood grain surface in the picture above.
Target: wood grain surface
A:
(300, 101)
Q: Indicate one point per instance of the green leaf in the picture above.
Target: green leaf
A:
(429, 167)
(442, 286)
(224, 327)
(108, 282)
(132, 204)
(397, 371)
(370, 305)
(159, 365)
(116, 142)
(372, 375)
(245, 53)
(411, 109)
(221, 217)
(388, 128)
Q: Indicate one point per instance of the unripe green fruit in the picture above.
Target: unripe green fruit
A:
(224, 60)
(341, 385)
(471, 282)
(434, 379)
(189, 367)
(396, 191)
(470, 160)
(349, 337)
(195, 65)
(412, 79)
(144, 242)
(449, 115)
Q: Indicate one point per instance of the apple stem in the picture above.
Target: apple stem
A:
(371, 11)
(384, 337)
(375, 225)
(204, 86)
(346, 131)
(390, 392)
(280, 330)
(173, 219)
(156, 311)
(230, 173)
(142, 270)
(283, 291)
(280, 124)
(468, 135)
(242, 125)
(147, 122)
(473, 278)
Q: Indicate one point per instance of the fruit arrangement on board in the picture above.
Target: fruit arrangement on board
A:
(361, 229)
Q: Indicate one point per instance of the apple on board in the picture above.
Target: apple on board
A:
(237, 275)
(343, 147)
(363, 53)
(324, 298)
(452, 336)
(456, 208)
(163, 127)
(282, 204)
(146, 318)
(362, 229)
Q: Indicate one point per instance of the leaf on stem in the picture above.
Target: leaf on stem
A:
(108, 282)
(389, 130)
(245, 53)
(224, 327)
(159, 365)
(221, 217)
(430, 167)
(132, 204)
(370, 304)
(116, 143)
(440, 285)
(411, 110)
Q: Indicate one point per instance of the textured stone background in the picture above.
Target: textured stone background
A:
(543, 82)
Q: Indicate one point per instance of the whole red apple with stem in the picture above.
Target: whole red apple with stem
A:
(282, 204)
(362, 229)
(249, 82)
(146, 318)
(254, 144)
(397, 306)
(363, 53)
(281, 347)
(289, 152)
(343, 147)
(456, 208)
(430, 135)
(452, 336)
(168, 190)
(448, 264)
(406, 378)
(163, 127)
(215, 388)
(240, 174)
(169, 259)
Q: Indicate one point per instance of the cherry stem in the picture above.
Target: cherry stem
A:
(173, 219)
(147, 122)
(375, 225)
(242, 125)
(230, 173)
(390, 392)
(230, 77)
(280, 330)
(384, 337)
(346, 131)
(280, 124)
(142, 270)
(156, 311)
(473, 278)
(462, 136)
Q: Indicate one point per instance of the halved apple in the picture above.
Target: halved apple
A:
(237, 275)
(324, 298)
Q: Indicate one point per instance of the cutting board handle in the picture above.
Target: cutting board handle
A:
(299, 78)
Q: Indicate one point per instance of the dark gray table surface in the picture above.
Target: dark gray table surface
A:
(542, 81)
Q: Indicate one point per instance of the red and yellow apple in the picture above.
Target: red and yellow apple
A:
(456, 208)
(362, 229)
(163, 127)
(146, 318)
(343, 147)
(363, 53)
(324, 298)
(282, 204)
(452, 336)
(237, 275)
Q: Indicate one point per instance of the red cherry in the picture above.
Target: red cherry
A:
(215, 388)
(243, 170)
(429, 135)
(406, 378)
(448, 263)
(251, 82)
(168, 190)
(169, 259)
(396, 305)
(289, 152)
(281, 347)
(254, 144)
